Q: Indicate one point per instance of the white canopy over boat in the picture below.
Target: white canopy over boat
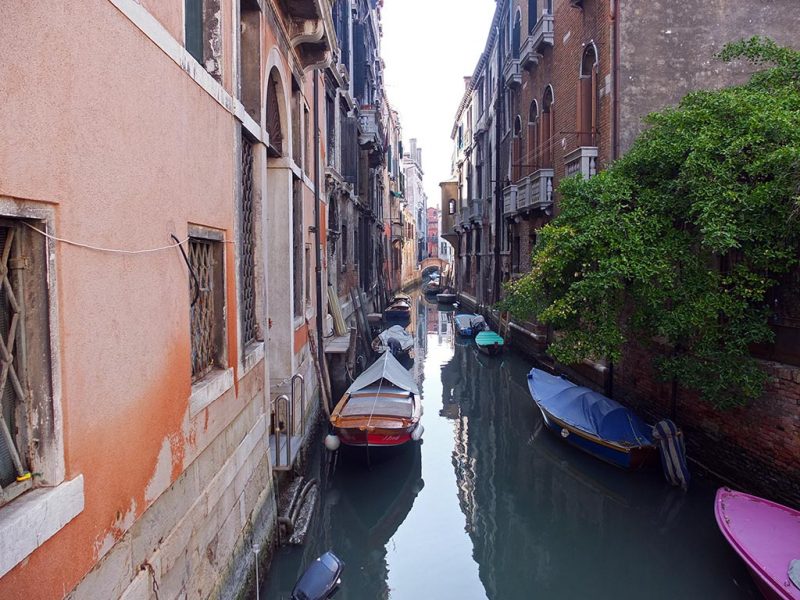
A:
(398, 332)
(386, 369)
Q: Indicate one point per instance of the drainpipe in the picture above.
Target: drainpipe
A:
(317, 227)
(615, 79)
(498, 183)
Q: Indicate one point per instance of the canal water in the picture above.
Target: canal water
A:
(493, 506)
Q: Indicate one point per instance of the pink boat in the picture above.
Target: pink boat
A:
(767, 537)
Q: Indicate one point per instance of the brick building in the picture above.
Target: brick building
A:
(561, 88)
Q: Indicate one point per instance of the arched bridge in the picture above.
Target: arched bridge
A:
(432, 263)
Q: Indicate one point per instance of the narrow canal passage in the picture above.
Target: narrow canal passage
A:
(491, 505)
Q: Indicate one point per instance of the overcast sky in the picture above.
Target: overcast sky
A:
(428, 47)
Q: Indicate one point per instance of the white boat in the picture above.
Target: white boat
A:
(404, 341)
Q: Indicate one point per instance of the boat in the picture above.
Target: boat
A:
(592, 422)
(767, 537)
(382, 407)
(399, 310)
(489, 343)
(469, 324)
(446, 298)
(396, 339)
(432, 287)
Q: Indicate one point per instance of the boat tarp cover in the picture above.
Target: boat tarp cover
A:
(385, 368)
(469, 320)
(588, 410)
(488, 338)
(397, 332)
(378, 405)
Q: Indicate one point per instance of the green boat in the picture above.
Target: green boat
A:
(489, 343)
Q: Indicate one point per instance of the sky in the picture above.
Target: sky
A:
(428, 47)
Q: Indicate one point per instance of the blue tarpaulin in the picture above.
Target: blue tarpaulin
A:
(588, 410)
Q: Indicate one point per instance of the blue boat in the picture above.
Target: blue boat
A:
(592, 422)
(469, 324)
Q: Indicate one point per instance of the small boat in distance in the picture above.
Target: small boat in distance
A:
(446, 298)
(469, 324)
(382, 407)
(489, 343)
(399, 310)
(767, 537)
(432, 287)
(592, 422)
(395, 339)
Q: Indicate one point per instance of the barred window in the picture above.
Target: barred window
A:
(297, 247)
(207, 303)
(247, 249)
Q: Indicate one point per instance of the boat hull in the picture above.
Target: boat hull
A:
(384, 438)
(446, 298)
(762, 533)
(624, 457)
(491, 349)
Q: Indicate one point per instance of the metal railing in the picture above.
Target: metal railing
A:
(288, 432)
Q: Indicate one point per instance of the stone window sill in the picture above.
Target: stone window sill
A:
(208, 389)
(253, 354)
(29, 521)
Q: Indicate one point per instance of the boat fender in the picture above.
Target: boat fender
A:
(332, 442)
(416, 435)
(564, 433)
(673, 453)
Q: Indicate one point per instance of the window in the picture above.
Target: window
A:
(308, 275)
(250, 58)
(207, 308)
(451, 207)
(533, 15)
(202, 29)
(345, 248)
(25, 384)
(273, 115)
(515, 35)
(532, 154)
(546, 132)
(588, 98)
(297, 247)
(247, 249)
(516, 150)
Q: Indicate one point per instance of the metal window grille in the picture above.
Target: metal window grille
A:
(247, 247)
(11, 391)
(203, 309)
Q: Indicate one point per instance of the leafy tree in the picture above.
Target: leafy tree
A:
(678, 243)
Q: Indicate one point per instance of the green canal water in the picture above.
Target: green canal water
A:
(492, 505)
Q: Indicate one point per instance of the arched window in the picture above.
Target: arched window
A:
(532, 153)
(515, 35)
(533, 15)
(547, 129)
(273, 114)
(516, 158)
(588, 98)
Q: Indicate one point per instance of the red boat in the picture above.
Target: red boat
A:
(767, 537)
(381, 408)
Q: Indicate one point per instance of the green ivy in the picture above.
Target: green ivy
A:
(677, 244)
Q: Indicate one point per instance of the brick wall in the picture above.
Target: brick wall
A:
(757, 446)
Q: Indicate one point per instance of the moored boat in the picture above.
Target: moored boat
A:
(469, 324)
(395, 339)
(766, 536)
(489, 343)
(432, 287)
(592, 422)
(446, 298)
(398, 311)
(381, 407)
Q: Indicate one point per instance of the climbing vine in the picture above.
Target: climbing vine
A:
(677, 244)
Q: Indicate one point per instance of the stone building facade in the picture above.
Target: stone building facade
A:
(144, 369)
(560, 89)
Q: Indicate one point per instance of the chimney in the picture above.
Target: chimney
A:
(467, 81)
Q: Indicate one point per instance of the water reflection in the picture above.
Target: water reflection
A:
(507, 510)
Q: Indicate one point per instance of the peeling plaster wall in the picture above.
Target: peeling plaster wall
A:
(128, 152)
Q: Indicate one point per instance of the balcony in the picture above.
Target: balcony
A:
(475, 210)
(540, 186)
(512, 73)
(533, 45)
(582, 160)
(369, 121)
(510, 198)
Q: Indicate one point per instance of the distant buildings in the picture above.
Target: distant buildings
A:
(561, 89)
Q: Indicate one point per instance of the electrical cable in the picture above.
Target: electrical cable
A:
(111, 250)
